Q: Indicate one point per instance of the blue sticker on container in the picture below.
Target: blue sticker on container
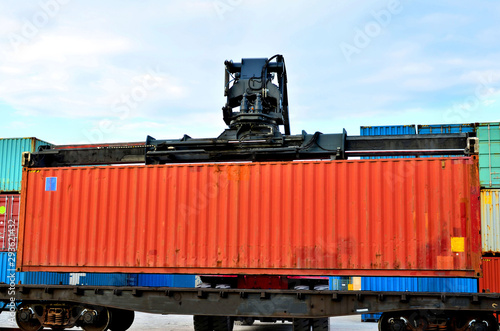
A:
(51, 184)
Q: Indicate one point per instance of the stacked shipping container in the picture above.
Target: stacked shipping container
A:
(489, 176)
(387, 130)
(11, 150)
(491, 274)
(443, 129)
(489, 154)
(446, 128)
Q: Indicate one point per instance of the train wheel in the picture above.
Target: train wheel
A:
(418, 320)
(121, 320)
(391, 322)
(98, 322)
(320, 324)
(383, 323)
(222, 323)
(26, 320)
(202, 323)
(301, 324)
(492, 322)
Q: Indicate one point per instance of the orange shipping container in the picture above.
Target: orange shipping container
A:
(402, 217)
(491, 275)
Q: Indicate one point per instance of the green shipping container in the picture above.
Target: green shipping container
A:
(489, 154)
(11, 150)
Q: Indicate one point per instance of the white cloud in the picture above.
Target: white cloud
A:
(399, 71)
(61, 48)
(438, 19)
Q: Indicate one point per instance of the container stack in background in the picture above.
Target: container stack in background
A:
(445, 128)
(11, 150)
(489, 175)
(387, 130)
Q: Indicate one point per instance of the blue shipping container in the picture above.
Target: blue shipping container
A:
(489, 154)
(338, 283)
(7, 267)
(159, 280)
(416, 284)
(98, 279)
(335, 283)
(46, 278)
(387, 130)
(446, 128)
(11, 150)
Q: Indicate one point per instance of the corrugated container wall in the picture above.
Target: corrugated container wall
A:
(60, 278)
(6, 269)
(491, 275)
(11, 150)
(446, 128)
(159, 280)
(362, 217)
(45, 278)
(416, 284)
(387, 130)
(489, 154)
(490, 220)
(98, 279)
(9, 221)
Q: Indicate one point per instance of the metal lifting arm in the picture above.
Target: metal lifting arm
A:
(256, 106)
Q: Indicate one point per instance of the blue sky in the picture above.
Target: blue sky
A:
(93, 71)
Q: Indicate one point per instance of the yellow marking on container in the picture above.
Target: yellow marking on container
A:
(2, 210)
(487, 199)
(457, 244)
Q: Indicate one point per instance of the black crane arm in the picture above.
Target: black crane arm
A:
(256, 106)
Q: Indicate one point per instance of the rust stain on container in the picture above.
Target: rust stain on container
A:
(361, 217)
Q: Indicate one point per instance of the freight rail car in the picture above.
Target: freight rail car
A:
(250, 182)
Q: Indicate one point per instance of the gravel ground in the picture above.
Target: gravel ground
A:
(151, 322)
